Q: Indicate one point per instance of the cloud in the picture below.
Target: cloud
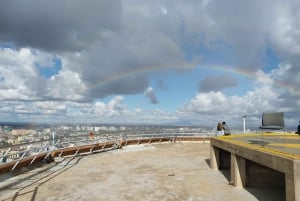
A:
(125, 63)
(268, 95)
(151, 95)
(208, 107)
(217, 83)
(21, 78)
(57, 25)
(18, 70)
(111, 54)
(116, 47)
(99, 49)
(216, 106)
(285, 28)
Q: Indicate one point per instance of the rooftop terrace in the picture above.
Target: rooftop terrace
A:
(147, 167)
(161, 171)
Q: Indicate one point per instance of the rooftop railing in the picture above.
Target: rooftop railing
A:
(29, 154)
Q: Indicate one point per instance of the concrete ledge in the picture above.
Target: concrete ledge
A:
(240, 169)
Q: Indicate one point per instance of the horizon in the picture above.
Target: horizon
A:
(207, 127)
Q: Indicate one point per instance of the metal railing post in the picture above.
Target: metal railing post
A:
(5, 154)
(18, 161)
(40, 151)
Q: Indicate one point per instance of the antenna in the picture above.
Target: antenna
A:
(53, 138)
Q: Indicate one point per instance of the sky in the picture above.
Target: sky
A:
(161, 62)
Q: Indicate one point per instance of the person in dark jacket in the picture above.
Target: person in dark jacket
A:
(298, 129)
(225, 128)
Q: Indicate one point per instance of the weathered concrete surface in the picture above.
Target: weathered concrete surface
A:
(177, 171)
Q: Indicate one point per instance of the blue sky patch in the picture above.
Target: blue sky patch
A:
(49, 71)
(7, 45)
(272, 60)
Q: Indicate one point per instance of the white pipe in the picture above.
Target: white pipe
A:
(244, 123)
(53, 136)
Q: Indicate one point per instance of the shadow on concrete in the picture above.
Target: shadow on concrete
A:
(267, 194)
(226, 174)
(261, 193)
(207, 162)
(32, 186)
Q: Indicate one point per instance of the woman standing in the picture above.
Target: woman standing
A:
(219, 129)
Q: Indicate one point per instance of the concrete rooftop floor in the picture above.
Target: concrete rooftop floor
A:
(171, 172)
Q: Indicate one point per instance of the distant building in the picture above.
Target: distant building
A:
(47, 130)
(22, 132)
(11, 140)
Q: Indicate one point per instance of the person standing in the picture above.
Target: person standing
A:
(225, 128)
(298, 129)
(219, 129)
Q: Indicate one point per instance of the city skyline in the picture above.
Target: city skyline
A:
(157, 63)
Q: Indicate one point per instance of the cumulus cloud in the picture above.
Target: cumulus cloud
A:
(17, 69)
(21, 78)
(266, 96)
(151, 95)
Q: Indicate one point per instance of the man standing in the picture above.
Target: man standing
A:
(225, 128)
(298, 129)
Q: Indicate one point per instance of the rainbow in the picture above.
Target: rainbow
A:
(250, 74)
(162, 68)
(139, 72)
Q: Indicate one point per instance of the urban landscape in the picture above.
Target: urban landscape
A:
(16, 138)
